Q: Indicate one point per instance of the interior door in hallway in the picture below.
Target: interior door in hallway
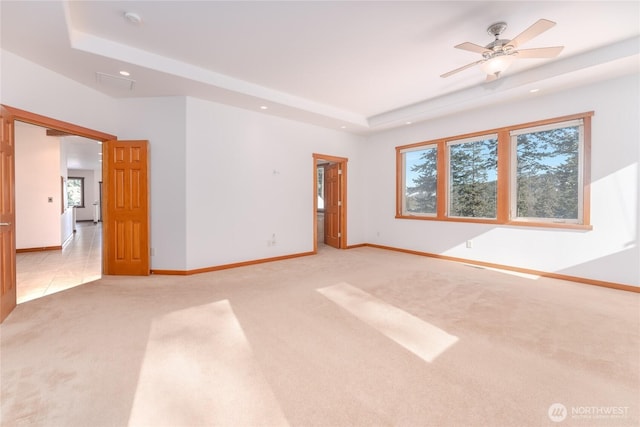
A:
(7, 215)
(332, 205)
(126, 221)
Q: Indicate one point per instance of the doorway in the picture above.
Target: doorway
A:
(330, 201)
(58, 240)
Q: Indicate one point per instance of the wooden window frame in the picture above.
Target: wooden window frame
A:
(504, 191)
(402, 170)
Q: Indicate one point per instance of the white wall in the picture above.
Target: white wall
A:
(215, 198)
(90, 192)
(37, 173)
(251, 175)
(162, 122)
(609, 252)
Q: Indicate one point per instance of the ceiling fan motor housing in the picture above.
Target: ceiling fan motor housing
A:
(499, 46)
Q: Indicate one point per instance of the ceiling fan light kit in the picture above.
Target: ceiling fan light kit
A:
(496, 65)
(498, 55)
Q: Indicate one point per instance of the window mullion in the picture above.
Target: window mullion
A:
(504, 177)
(585, 168)
(442, 181)
(400, 165)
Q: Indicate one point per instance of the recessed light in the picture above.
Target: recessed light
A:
(343, 127)
(125, 73)
(132, 17)
(534, 90)
(407, 123)
(264, 107)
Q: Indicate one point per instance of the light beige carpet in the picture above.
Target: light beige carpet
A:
(362, 337)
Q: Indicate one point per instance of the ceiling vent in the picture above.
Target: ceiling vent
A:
(115, 82)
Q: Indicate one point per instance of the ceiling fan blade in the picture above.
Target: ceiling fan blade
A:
(471, 47)
(541, 52)
(461, 68)
(536, 29)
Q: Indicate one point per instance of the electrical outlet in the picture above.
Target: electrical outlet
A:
(50, 199)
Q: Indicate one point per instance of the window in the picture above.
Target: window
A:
(75, 192)
(420, 180)
(532, 174)
(548, 182)
(320, 186)
(473, 174)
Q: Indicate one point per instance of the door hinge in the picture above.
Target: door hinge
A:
(339, 234)
(339, 202)
(339, 171)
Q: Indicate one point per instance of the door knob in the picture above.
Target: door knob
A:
(5, 223)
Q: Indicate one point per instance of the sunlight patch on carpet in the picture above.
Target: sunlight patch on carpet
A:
(199, 369)
(421, 338)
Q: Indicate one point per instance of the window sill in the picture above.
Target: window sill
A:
(565, 226)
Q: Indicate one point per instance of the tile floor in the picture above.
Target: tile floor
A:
(46, 272)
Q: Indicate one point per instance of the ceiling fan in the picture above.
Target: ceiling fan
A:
(500, 53)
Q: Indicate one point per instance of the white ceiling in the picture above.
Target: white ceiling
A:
(355, 65)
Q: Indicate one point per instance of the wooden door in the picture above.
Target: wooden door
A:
(126, 221)
(7, 216)
(332, 205)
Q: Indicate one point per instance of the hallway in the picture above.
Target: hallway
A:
(47, 272)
